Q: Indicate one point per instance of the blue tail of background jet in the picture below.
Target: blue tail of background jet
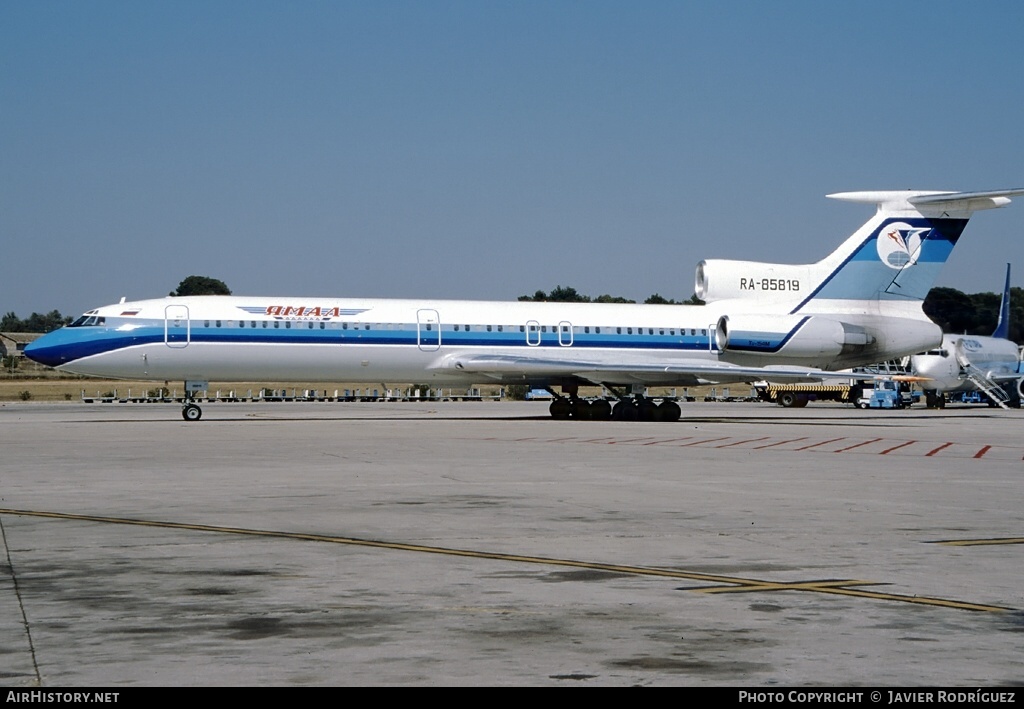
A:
(1003, 326)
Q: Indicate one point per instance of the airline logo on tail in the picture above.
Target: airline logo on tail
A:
(900, 245)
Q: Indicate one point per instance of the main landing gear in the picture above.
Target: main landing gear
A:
(638, 408)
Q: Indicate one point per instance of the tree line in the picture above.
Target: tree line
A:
(950, 309)
(567, 294)
(193, 285)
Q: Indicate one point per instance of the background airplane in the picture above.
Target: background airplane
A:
(974, 363)
(859, 305)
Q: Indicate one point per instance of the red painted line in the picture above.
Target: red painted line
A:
(740, 443)
(815, 445)
(857, 445)
(781, 443)
(667, 440)
(709, 440)
(933, 452)
(895, 448)
(983, 451)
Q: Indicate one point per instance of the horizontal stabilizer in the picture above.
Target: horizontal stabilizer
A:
(931, 201)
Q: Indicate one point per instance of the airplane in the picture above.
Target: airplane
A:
(761, 322)
(963, 363)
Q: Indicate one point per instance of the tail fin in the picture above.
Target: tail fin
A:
(891, 261)
(897, 255)
(1003, 326)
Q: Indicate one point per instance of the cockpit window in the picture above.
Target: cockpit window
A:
(88, 321)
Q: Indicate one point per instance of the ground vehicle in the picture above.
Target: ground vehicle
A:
(797, 395)
(884, 394)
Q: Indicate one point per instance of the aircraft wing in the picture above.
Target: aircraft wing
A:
(515, 368)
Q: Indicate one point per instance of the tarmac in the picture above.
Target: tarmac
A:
(483, 544)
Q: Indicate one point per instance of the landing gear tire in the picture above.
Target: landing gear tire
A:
(647, 410)
(669, 411)
(560, 409)
(191, 412)
(600, 410)
(580, 410)
(624, 411)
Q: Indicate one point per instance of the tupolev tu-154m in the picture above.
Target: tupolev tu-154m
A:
(859, 305)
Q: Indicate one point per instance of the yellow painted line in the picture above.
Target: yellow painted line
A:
(980, 542)
(795, 586)
(736, 584)
(842, 588)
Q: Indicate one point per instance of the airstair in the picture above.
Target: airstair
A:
(980, 379)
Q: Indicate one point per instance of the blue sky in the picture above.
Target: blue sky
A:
(485, 149)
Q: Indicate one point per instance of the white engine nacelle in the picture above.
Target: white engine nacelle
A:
(719, 279)
(789, 335)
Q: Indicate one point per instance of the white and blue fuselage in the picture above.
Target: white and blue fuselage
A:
(859, 305)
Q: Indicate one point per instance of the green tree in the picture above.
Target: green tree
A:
(35, 322)
(201, 285)
(560, 294)
(950, 309)
(10, 323)
(658, 299)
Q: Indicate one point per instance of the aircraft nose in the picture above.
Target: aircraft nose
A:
(46, 351)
